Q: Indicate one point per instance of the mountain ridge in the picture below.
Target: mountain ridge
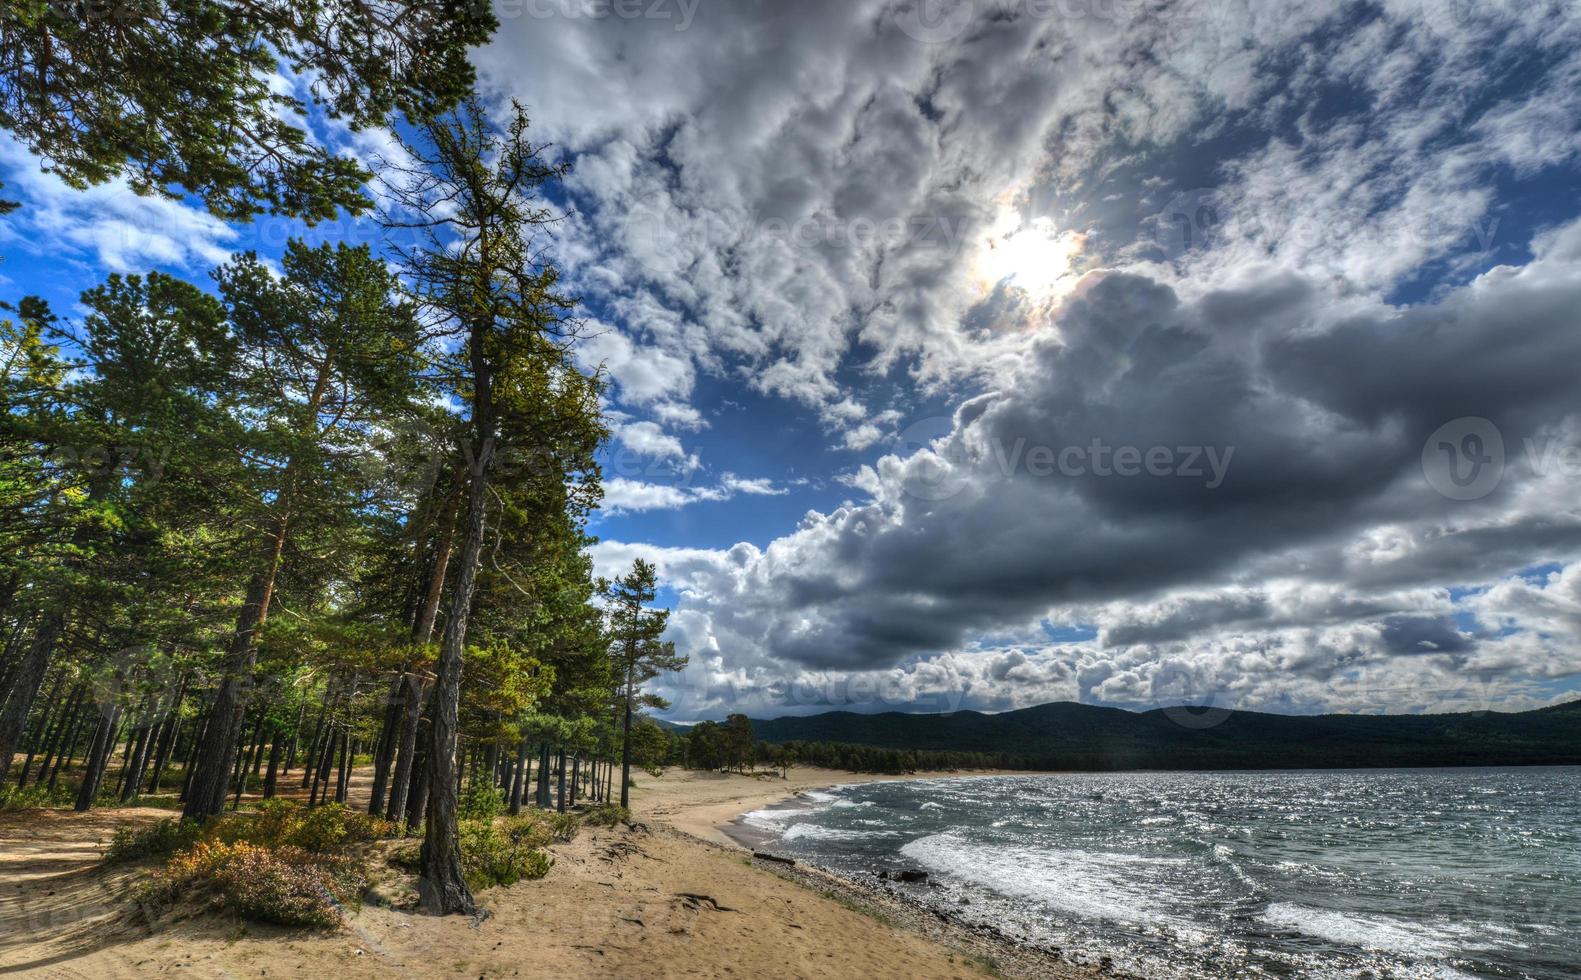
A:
(1070, 735)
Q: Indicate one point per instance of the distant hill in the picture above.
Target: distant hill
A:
(1066, 735)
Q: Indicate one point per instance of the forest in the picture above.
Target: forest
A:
(320, 510)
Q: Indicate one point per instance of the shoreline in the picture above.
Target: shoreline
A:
(649, 899)
(719, 824)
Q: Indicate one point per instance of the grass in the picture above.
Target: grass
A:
(36, 798)
(161, 839)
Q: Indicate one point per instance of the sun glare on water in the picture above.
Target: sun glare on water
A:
(1035, 257)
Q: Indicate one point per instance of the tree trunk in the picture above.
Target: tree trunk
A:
(98, 757)
(412, 692)
(384, 751)
(542, 799)
(417, 800)
(207, 793)
(519, 778)
(63, 727)
(48, 719)
(442, 890)
(343, 776)
(24, 687)
(625, 748)
(189, 764)
(133, 780)
(167, 735)
(68, 750)
(214, 754)
(275, 747)
(414, 687)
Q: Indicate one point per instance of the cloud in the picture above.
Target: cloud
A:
(1189, 292)
(626, 496)
(1321, 558)
(109, 223)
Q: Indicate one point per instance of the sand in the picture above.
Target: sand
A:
(672, 897)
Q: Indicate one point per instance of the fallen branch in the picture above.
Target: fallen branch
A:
(696, 901)
(766, 856)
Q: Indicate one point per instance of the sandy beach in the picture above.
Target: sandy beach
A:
(671, 896)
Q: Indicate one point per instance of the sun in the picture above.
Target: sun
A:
(1035, 257)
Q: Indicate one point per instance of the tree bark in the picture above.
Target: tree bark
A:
(343, 775)
(541, 798)
(389, 737)
(133, 780)
(414, 688)
(442, 890)
(625, 748)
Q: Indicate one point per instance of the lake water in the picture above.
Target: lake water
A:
(1380, 873)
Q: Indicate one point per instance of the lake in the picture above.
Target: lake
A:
(1388, 873)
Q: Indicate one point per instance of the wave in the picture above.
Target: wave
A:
(812, 831)
(1082, 883)
(1375, 932)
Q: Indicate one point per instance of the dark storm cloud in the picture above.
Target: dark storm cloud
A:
(1412, 634)
(1326, 434)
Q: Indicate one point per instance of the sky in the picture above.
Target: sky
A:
(987, 353)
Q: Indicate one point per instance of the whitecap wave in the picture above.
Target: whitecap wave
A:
(1088, 884)
(812, 831)
(1375, 932)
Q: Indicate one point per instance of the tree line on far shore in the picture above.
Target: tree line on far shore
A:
(732, 746)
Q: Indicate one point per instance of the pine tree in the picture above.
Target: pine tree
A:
(178, 94)
(471, 200)
(638, 654)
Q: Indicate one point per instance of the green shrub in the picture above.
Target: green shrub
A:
(161, 839)
(564, 826)
(35, 798)
(607, 815)
(287, 885)
(528, 830)
(282, 823)
(480, 802)
(489, 857)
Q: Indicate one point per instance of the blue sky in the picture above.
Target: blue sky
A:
(881, 297)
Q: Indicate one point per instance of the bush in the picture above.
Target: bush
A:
(539, 828)
(564, 826)
(35, 798)
(158, 840)
(480, 802)
(490, 856)
(282, 823)
(288, 886)
(607, 815)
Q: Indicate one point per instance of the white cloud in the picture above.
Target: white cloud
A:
(108, 223)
